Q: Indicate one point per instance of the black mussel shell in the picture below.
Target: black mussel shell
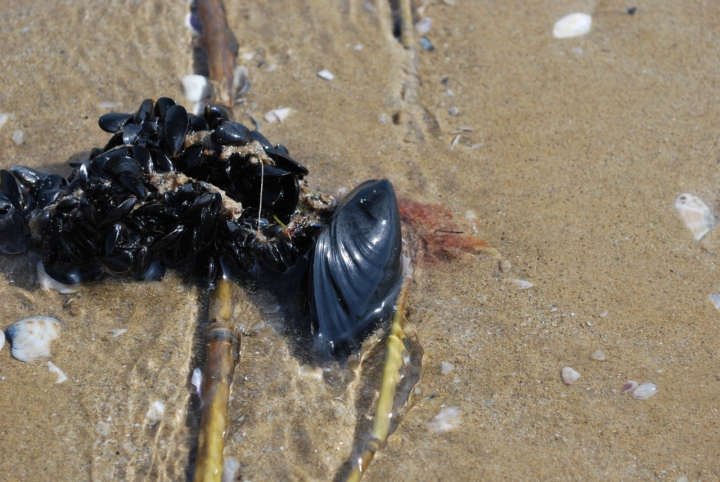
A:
(162, 105)
(216, 113)
(256, 136)
(231, 133)
(114, 121)
(29, 177)
(357, 267)
(145, 111)
(13, 236)
(176, 126)
(282, 159)
(198, 123)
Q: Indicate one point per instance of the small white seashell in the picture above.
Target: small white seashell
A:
(446, 367)
(3, 119)
(504, 265)
(118, 331)
(695, 214)
(573, 25)
(604, 314)
(196, 87)
(155, 413)
(2, 339)
(30, 337)
(61, 377)
(569, 375)
(715, 300)
(629, 386)
(423, 26)
(109, 105)
(325, 74)
(197, 381)
(230, 469)
(17, 137)
(453, 111)
(48, 284)
(446, 420)
(279, 114)
(645, 391)
(520, 283)
(598, 355)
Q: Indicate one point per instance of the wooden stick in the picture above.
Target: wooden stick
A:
(407, 27)
(219, 368)
(221, 46)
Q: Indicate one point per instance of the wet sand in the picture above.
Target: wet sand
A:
(583, 146)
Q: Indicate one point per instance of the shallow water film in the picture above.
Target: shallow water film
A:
(565, 154)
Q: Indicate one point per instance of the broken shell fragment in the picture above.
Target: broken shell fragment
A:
(629, 386)
(521, 284)
(30, 337)
(598, 355)
(325, 74)
(695, 214)
(155, 413)
(279, 114)
(645, 391)
(61, 377)
(2, 339)
(446, 420)
(569, 375)
(573, 25)
(48, 283)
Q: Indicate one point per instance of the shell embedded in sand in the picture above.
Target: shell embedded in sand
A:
(695, 214)
(598, 355)
(2, 339)
(569, 375)
(61, 377)
(573, 25)
(645, 391)
(30, 337)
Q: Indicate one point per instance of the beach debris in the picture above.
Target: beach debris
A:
(569, 375)
(196, 87)
(193, 23)
(109, 105)
(241, 79)
(61, 377)
(118, 331)
(325, 74)
(358, 47)
(426, 44)
(279, 114)
(446, 367)
(50, 284)
(629, 386)
(715, 299)
(155, 413)
(453, 111)
(2, 339)
(423, 26)
(645, 391)
(3, 119)
(446, 420)
(598, 355)
(695, 214)
(504, 265)
(230, 469)
(17, 137)
(455, 141)
(407, 270)
(103, 429)
(631, 11)
(573, 25)
(30, 337)
(197, 381)
(521, 284)
(604, 314)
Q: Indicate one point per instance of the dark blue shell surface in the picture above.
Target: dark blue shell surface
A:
(357, 268)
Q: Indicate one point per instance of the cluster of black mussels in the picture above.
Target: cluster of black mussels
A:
(205, 194)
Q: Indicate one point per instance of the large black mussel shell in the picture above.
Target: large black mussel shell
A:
(176, 125)
(357, 267)
(114, 121)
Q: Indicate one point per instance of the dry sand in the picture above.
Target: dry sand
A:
(585, 143)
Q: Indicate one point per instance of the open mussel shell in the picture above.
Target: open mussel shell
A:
(357, 267)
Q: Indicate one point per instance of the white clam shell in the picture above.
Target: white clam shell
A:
(2, 339)
(196, 87)
(695, 214)
(573, 25)
(569, 375)
(645, 391)
(30, 337)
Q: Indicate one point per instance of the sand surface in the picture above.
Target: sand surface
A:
(577, 151)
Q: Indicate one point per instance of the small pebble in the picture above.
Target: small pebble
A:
(338, 411)
(569, 375)
(504, 265)
(453, 111)
(17, 137)
(423, 26)
(598, 355)
(3, 119)
(446, 367)
(155, 413)
(604, 314)
(446, 420)
(629, 386)
(325, 74)
(645, 391)
(358, 47)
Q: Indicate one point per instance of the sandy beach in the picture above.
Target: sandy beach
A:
(571, 153)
